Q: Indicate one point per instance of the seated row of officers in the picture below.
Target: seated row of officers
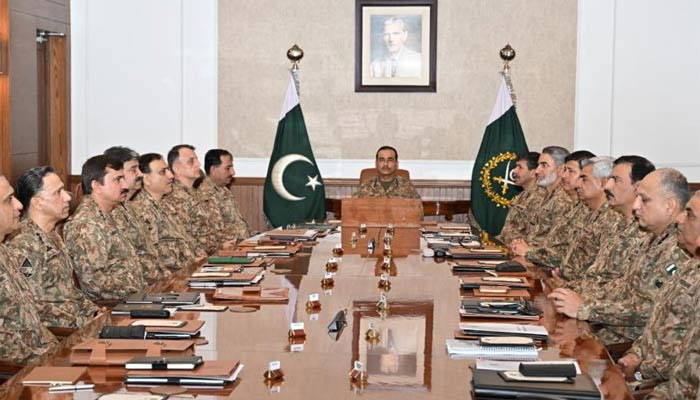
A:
(621, 238)
(622, 241)
(140, 219)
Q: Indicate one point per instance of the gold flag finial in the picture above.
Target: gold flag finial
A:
(295, 54)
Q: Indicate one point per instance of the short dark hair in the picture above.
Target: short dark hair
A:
(30, 183)
(396, 153)
(557, 153)
(213, 158)
(174, 153)
(579, 156)
(145, 161)
(95, 169)
(531, 158)
(121, 153)
(639, 166)
(674, 183)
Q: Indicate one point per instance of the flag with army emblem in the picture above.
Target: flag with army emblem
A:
(294, 191)
(492, 184)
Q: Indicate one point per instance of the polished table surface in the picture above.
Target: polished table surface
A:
(410, 361)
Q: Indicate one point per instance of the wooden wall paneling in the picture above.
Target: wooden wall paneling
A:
(58, 141)
(5, 150)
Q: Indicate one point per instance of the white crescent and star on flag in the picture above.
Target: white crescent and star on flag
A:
(278, 173)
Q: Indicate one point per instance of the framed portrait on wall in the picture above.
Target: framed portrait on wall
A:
(395, 45)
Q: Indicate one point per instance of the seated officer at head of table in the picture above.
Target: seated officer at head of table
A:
(387, 183)
(43, 257)
(624, 305)
(105, 261)
(23, 337)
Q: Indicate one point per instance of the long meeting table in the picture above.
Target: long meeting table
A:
(409, 362)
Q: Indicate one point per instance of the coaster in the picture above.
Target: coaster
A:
(242, 309)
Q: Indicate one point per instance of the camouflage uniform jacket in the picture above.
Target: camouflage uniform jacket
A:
(233, 224)
(399, 188)
(23, 338)
(674, 312)
(552, 208)
(625, 304)
(137, 233)
(199, 218)
(590, 234)
(105, 262)
(46, 265)
(618, 251)
(519, 212)
(174, 249)
(684, 380)
(552, 249)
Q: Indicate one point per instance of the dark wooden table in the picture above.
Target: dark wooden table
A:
(410, 361)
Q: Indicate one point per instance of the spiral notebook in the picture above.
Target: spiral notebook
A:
(472, 349)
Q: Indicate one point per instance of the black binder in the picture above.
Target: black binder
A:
(488, 384)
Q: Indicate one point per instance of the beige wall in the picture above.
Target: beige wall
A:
(342, 124)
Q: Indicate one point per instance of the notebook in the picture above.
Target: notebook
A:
(53, 376)
(536, 332)
(488, 384)
(472, 349)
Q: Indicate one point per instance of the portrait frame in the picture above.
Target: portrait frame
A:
(395, 65)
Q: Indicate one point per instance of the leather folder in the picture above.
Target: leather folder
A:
(210, 373)
(229, 260)
(507, 294)
(477, 254)
(488, 384)
(230, 276)
(235, 267)
(119, 351)
(474, 282)
(517, 309)
(189, 330)
(253, 295)
(164, 298)
(53, 376)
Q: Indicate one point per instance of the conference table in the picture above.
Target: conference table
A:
(409, 361)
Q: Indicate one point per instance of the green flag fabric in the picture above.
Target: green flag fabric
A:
(492, 184)
(294, 191)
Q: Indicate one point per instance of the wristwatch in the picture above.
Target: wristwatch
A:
(638, 376)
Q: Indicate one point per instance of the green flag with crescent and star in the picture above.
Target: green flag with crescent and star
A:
(294, 191)
(493, 188)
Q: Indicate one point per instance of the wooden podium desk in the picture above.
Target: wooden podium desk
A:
(410, 361)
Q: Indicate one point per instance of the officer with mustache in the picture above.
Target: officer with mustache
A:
(105, 261)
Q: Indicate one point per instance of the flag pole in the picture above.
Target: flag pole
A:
(507, 55)
(295, 54)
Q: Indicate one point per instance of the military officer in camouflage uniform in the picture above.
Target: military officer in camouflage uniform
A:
(44, 259)
(626, 237)
(175, 249)
(196, 213)
(387, 184)
(684, 379)
(518, 216)
(657, 350)
(557, 239)
(589, 232)
(624, 305)
(23, 337)
(218, 165)
(132, 227)
(106, 263)
(555, 203)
